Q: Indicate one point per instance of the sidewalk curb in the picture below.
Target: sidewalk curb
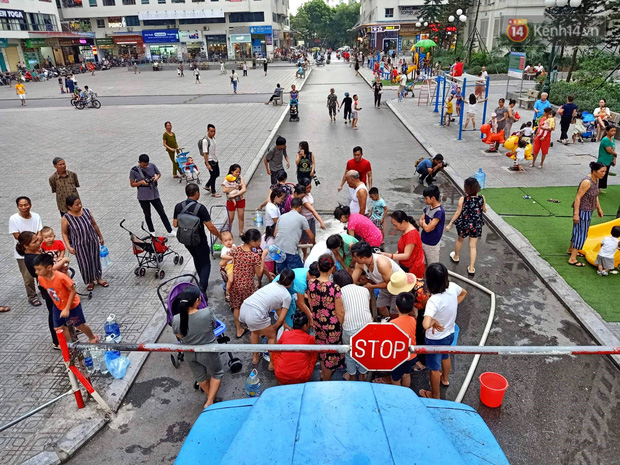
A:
(589, 318)
(66, 446)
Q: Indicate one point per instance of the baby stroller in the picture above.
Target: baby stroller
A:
(234, 364)
(293, 110)
(181, 160)
(150, 252)
(588, 122)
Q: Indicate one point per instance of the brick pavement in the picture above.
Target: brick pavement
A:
(120, 82)
(101, 146)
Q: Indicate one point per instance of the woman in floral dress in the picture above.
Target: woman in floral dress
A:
(328, 314)
(246, 264)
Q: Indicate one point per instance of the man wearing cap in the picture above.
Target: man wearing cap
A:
(144, 177)
(63, 183)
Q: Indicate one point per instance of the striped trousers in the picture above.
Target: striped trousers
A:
(580, 230)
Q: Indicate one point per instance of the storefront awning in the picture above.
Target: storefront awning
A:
(62, 34)
(240, 38)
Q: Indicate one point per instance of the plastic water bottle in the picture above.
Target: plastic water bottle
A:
(99, 361)
(265, 355)
(258, 219)
(111, 340)
(252, 384)
(481, 177)
(104, 255)
(89, 362)
(112, 329)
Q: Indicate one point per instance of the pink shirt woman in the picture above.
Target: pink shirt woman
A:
(359, 226)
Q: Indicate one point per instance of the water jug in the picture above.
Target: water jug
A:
(112, 329)
(104, 254)
(481, 177)
(88, 361)
(253, 385)
(258, 219)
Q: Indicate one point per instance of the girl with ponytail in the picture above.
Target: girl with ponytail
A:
(193, 324)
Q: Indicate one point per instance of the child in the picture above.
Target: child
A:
(197, 74)
(609, 247)
(55, 248)
(439, 320)
(407, 322)
(526, 132)
(471, 111)
(432, 223)
(520, 156)
(62, 291)
(231, 181)
(493, 122)
(379, 208)
(226, 262)
(579, 128)
(191, 170)
(469, 222)
(356, 110)
(266, 240)
(459, 101)
(60, 83)
(449, 111)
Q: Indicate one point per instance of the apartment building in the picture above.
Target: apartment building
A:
(181, 29)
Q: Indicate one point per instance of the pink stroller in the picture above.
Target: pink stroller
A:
(234, 364)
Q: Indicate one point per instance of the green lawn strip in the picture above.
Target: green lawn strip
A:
(510, 201)
(609, 201)
(551, 237)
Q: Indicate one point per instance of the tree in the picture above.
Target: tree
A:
(344, 18)
(312, 20)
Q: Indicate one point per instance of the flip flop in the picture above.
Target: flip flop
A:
(577, 264)
(444, 384)
(90, 287)
(452, 254)
(103, 284)
(4, 309)
(246, 330)
(579, 254)
(34, 302)
(417, 368)
(471, 273)
(426, 394)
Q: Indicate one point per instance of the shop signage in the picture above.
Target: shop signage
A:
(115, 21)
(218, 38)
(163, 36)
(180, 14)
(384, 28)
(4, 43)
(12, 14)
(105, 42)
(408, 29)
(190, 36)
(32, 43)
(127, 39)
(261, 30)
(240, 38)
(409, 10)
(69, 42)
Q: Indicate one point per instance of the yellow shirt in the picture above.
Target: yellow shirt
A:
(19, 87)
(551, 123)
(450, 107)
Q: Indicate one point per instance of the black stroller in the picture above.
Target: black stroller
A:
(293, 110)
(234, 363)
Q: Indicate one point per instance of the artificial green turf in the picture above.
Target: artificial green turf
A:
(550, 235)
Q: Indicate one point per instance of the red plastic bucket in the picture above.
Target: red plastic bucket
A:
(492, 389)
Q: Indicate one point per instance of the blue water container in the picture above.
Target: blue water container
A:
(112, 330)
(481, 177)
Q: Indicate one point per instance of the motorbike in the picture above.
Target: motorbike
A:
(83, 103)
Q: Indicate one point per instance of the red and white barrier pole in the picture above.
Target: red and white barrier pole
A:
(62, 342)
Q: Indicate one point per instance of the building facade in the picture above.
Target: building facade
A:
(176, 29)
(23, 28)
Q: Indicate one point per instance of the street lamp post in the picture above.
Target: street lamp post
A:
(560, 4)
(462, 18)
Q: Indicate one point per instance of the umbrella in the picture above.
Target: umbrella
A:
(424, 43)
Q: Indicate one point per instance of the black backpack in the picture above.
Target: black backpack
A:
(188, 225)
(200, 145)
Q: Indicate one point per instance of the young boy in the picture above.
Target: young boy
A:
(62, 291)
(356, 110)
(407, 322)
(53, 247)
(379, 208)
(520, 156)
(432, 223)
(226, 262)
(191, 170)
(609, 247)
(526, 132)
(449, 111)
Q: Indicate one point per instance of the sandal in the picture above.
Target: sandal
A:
(417, 368)
(577, 264)
(34, 302)
(452, 254)
(382, 380)
(90, 287)
(246, 330)
(426, 394)
(4, 308)
(103, 283)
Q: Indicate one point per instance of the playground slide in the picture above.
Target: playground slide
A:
(593, 242)
(411, 69)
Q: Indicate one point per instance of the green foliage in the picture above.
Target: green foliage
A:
(587, 93)
(316, 20)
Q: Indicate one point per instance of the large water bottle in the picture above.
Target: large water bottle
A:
(252, 384)
(481, 177)
(258, 219)
(89, 362)
(112, 330)
(111, 340)
(99, 361)
(104, 255)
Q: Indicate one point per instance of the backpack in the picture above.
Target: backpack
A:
(200, 145)
(419, 161)
(188, 231)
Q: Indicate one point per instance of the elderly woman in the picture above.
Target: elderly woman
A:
(83, 237)
(238, 203)
(586, 201)
(601, 115)
(410, 254)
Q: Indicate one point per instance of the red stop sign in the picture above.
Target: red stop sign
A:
(380, 346)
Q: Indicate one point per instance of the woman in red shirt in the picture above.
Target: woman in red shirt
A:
(295, 367)
(410, 255)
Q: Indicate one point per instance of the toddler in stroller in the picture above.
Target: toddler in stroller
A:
(293, 110)
(585, 127)
(190, 170)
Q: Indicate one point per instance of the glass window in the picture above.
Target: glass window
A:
(258, 17)
(92, 3)
(129, 2)
(197, 1)
(101, 23)
(132, 21)
(161, 1)
(202, 21)
(159, 22)
(145, 2)
(109, 2)
(389, 12)
(72, 3)
(178, 1)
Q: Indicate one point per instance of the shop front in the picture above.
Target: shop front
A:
(262, 40)
(216, 46)
(162, 45)
(407, 37)
(77, 50)
(106, 47)
(384, 38)
(241, 46)
(192, 45)
(128, 46)
(33, 55)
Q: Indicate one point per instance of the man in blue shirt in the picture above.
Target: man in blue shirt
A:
(429, 167)
(540, 105)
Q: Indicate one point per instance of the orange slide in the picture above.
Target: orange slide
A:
(593, 242)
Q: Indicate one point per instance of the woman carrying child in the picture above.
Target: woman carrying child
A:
(469, 221)
(542, 138)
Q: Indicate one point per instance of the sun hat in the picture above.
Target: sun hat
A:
(493, 115)
(401, 282)
(230, 178)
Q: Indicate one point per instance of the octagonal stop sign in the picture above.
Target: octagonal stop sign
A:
(380, 346)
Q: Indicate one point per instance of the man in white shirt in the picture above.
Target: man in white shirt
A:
(403, 83)
(485, 75)
(359, 193)
(25, 220)
(209, 150)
